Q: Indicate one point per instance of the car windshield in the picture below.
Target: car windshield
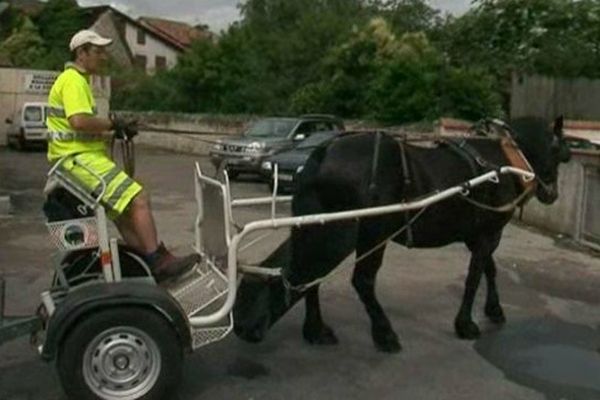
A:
(33, 114)
(271, 128)
(316, 139)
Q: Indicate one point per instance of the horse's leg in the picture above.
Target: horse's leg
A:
(315, 331)
(493, 309)
(481, 250)
(363, 280)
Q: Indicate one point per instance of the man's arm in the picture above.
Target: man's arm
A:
(89, 124)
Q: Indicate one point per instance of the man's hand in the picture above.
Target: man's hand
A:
(124, 128)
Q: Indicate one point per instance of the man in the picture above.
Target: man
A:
(76, 132)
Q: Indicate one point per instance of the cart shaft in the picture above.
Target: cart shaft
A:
(14, 327)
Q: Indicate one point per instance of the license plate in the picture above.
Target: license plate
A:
(286, 177)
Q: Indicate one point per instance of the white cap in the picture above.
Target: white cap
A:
(88, 36)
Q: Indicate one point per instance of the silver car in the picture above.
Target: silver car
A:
(266, 137)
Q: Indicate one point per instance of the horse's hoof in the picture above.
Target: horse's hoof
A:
(390, 345)
(386, 341)
(495, 314)
(323, 336)
(251, 336)
(467, 330)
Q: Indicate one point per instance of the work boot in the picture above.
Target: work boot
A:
(166, 267)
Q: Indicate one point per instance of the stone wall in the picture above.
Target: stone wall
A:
(566, 215)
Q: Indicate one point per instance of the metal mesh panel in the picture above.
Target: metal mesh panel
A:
(74, 234)
(202, 337)
(202, 288)
(591, 212)
(202, 293)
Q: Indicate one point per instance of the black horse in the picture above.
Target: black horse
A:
(365, 170)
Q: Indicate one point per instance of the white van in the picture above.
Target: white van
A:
(28, 125)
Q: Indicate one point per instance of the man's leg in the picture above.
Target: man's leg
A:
(129, 206)
(138, 229)
(137, 226)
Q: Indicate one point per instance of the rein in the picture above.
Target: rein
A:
(505, 208)
(471, 156)
(305, 286)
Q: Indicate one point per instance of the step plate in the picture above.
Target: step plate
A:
(202, 293)
(199, 289)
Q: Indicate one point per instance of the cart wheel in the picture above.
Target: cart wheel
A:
(232, 174)
(124, 353)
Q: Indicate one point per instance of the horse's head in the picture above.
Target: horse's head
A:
(251, 313)
(545, 148)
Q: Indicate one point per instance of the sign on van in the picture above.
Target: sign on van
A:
(39, 82)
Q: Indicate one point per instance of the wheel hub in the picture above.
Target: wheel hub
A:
(120, 363)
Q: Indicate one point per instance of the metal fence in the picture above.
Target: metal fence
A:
(534, 95)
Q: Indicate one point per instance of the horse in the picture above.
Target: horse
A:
(365, 170)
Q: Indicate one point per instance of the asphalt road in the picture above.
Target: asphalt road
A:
(548, 349)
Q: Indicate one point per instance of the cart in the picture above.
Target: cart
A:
(112, 332)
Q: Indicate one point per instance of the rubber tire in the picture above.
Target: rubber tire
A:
(233, 174)
(72, 350)
(21, 145)
(230, 173)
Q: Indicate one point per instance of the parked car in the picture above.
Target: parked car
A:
(582, 143)
(28, 126)
(291, 162)
(266, 137)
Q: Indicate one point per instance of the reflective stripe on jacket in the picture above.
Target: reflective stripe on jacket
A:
(71, 94)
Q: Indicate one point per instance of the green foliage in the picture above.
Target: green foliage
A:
(58, 22)
(408, 15)
(24, 46)
(42, 41)
(392, 60)
(330, 56)
(469, 93)
(377, 75)
(9, 20)
(551, 37)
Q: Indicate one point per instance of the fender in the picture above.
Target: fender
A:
(94, 297)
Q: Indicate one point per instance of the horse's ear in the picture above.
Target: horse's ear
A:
(558, 126)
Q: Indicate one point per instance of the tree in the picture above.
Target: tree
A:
(24, 48)
(57, 23)
(553, 37)
(407, 16)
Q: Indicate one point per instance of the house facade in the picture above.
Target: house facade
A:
(149, 52)
(151, 44)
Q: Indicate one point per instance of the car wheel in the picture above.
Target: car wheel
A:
(21, 144)
(120, 353)
(232, 174)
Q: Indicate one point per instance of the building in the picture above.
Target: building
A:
(18, 86)
(151, 44)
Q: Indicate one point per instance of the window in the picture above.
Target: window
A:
(140, 61)
(160, 63)
(33, 114)
(141, 36)
(323, 126)
(306, 128)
